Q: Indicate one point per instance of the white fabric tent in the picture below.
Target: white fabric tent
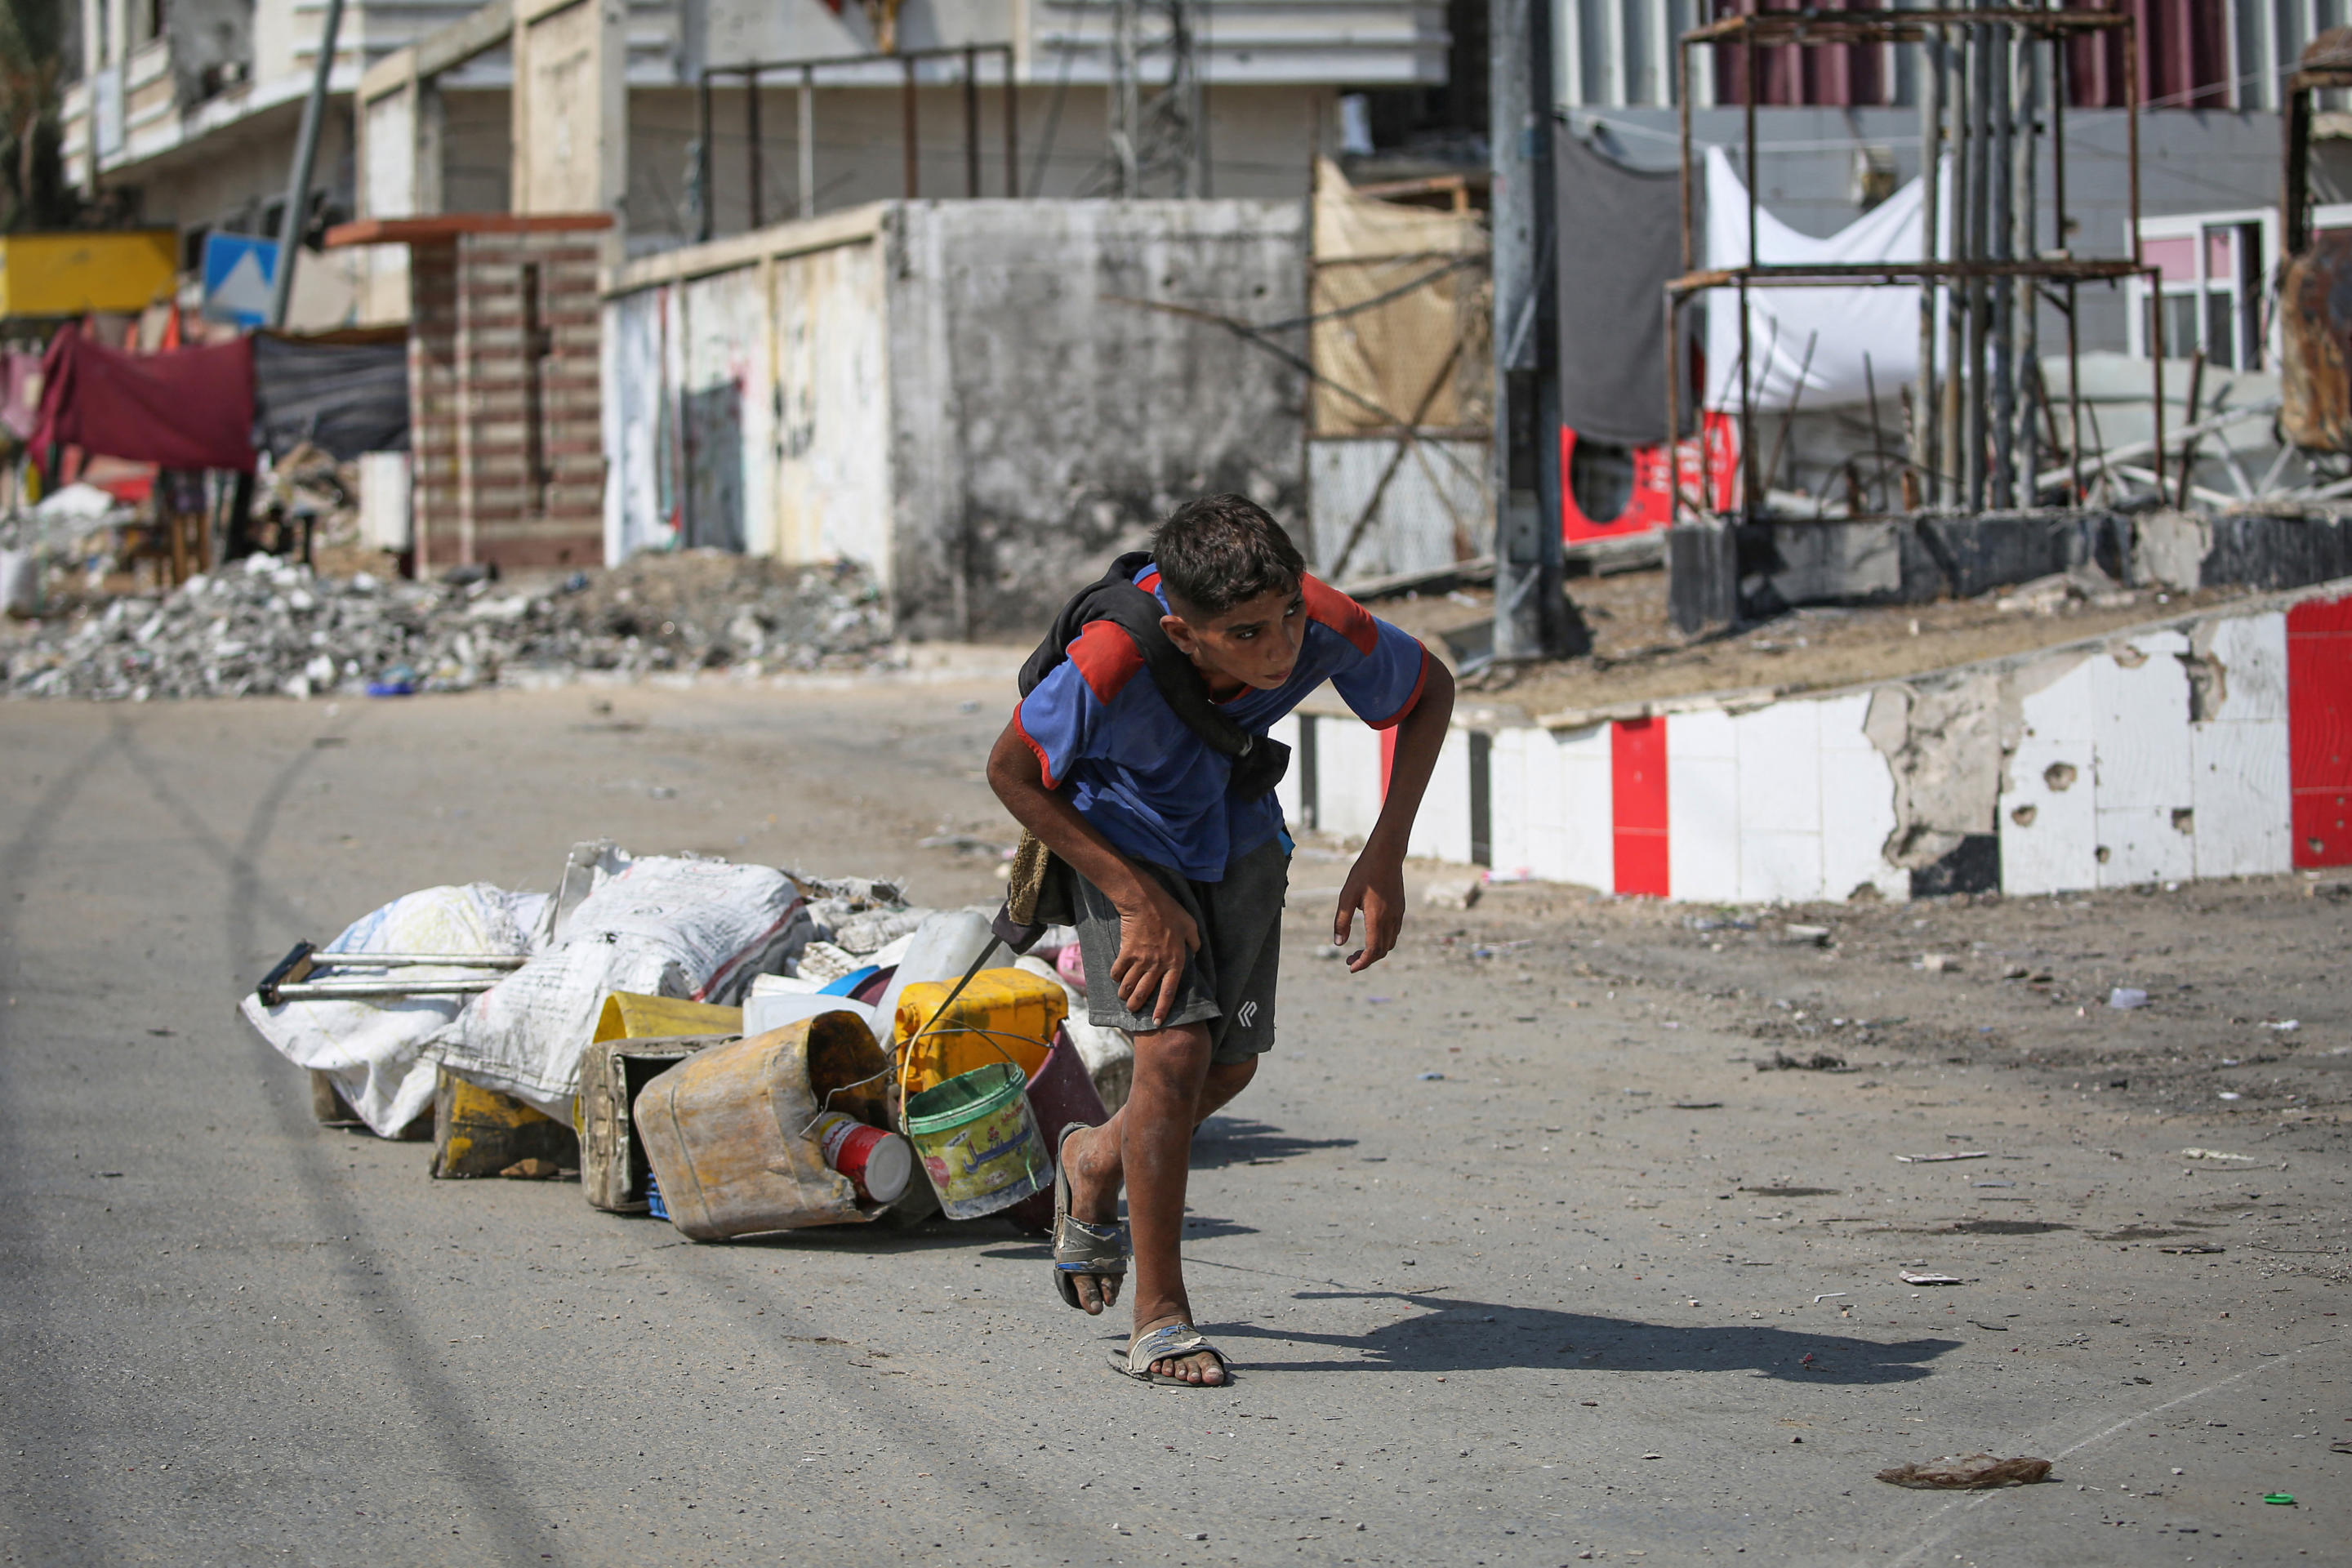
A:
(1841, 326)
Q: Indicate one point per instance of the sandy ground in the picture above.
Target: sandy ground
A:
(1522, 1257)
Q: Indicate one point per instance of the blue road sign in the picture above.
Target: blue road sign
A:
(238, 270)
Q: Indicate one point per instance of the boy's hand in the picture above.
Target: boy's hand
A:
(1154, 936)
(1376, 886)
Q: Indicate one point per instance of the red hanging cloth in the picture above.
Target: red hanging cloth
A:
(187, 408)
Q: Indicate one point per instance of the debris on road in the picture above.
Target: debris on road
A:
(1941, 1159)
(2281, 1499)
(267, 627)
(1910, 1278)
(2123, 998)
(1452, 894)
(1820, 1061)
(2214, 1154)
(806, 1105)
(1976, 1472)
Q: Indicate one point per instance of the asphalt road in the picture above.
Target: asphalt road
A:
(1522, 1257)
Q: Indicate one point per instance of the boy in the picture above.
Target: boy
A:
(1176, 879)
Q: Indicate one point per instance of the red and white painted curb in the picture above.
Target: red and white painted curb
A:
(2216, 744)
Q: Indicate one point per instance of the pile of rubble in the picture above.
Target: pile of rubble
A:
(265, 628)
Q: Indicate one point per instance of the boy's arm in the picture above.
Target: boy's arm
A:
(1376, 884)
(1154, 933)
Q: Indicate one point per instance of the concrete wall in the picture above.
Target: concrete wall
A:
(1042, 422)
(955, 393)
(2203, 747)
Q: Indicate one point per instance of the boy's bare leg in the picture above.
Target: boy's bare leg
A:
(1147, 1148)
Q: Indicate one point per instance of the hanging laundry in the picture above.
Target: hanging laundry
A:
(342, 398)
(1840, 327)
(189, 409)
(1620, 241)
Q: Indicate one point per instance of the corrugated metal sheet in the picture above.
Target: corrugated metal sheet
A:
(2196, 54)
(1432, 514)
(1833, 76)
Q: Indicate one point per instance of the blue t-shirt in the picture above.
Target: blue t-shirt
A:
(1142, 779)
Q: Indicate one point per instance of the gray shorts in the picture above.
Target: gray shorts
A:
(1228, 981)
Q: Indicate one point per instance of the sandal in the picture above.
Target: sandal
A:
(1164, 1343)
(1079, 1245)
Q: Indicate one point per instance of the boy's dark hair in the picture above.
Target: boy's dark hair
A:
(1223, 551)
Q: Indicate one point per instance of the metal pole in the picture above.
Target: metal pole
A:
(1012, 126)
(1747, 496)
(702, 157)
(751, 135)
(1747, 412)
(1674, 450)
(971, 120)
(2156, 364)
(306, 156)
(2001, 203)
(909, 129)
(2062, 88)
(1950, 490)
(1931, 160)
(806, 141)
(1979, 117)
(1682, 72)
(2031, 391)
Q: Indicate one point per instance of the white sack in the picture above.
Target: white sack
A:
(1843, 324)
(20, 583)
(376, 1052)
(660, 927)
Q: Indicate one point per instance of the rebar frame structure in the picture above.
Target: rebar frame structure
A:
(1157, 131)
(910, 144)
(1980, 87)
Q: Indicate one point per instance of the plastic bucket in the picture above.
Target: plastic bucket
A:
(978, 1140)
(1060, 1094)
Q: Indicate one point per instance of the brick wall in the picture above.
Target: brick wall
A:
(504, 380)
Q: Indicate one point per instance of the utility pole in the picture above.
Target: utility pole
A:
(306, 157)
(1530, 616)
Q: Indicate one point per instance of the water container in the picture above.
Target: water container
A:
(943, 947)
(1004, 1014)
(730, 1131)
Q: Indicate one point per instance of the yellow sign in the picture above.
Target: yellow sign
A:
(69, 274)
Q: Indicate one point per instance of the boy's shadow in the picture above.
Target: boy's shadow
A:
(1238, 1140)
(1482, 1336)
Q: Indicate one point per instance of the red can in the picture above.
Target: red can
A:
(878, 1164)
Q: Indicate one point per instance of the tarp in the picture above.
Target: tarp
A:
(1842, 327)
(342, 398)
(188, 408)
(1620, 241)
(1392, 355)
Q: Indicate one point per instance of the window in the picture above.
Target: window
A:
(2210, 288)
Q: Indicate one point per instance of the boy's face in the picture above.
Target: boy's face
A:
(1255, 643)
